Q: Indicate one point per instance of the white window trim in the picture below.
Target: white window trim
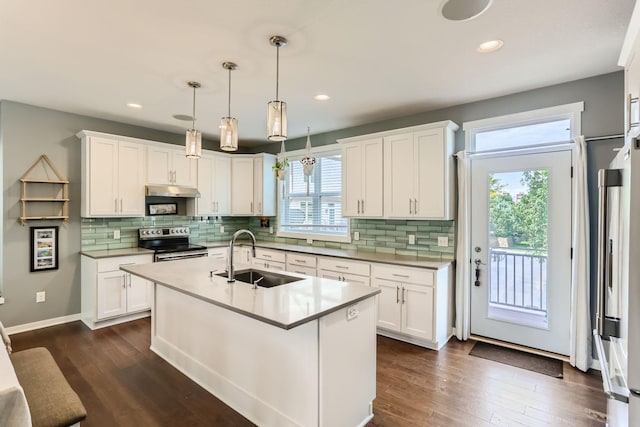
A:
(296, 155)
(572, 112)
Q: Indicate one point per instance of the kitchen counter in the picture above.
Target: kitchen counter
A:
(404, 260)
(299, 354)
(109, 253)
(285, 306)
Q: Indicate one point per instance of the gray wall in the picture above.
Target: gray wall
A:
(26, 132)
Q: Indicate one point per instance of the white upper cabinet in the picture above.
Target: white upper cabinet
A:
(419, 173)
(253, 185)
(113, 176)
(362, 178)
(214, 181)
(169, 166)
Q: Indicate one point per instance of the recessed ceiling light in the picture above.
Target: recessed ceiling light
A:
(134, 105)
(464, 10)
(490, 46)
(322, 97)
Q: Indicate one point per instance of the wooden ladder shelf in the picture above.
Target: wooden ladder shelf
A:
(59, 191)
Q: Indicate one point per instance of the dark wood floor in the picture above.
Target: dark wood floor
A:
(122, 383)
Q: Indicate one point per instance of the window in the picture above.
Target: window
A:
(317, 215)
(536, 128)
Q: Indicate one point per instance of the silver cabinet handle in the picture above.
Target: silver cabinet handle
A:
(342, 266)
(397, 294)
(116, 205)
(120, 205)
(266, 255)
(358, 206)
(400, 275)
(251, 207)
(410, 207)
(124, 281)
(301, 260)
(169, 175)
(403, 294)
(362, 205)
(415, 206)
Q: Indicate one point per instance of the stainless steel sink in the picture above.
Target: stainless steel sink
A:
(264, 279)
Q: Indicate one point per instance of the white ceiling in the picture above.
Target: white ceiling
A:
(377, 59)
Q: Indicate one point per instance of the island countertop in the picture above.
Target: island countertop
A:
(285, 306)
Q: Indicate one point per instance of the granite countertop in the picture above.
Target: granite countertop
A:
(285, 306)
(116, 252)
(403, 260)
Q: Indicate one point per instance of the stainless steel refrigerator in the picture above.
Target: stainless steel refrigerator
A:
(617, 335)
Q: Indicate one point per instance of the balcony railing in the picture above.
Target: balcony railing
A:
(518, 278)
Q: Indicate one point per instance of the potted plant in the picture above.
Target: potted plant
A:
(280, 167)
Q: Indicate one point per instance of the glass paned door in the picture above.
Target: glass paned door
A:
(521, 240)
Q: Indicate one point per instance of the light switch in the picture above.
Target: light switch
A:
(356, 235)
(222, 228)
(412, 239)
(116, 234)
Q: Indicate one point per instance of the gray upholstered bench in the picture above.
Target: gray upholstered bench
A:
(34, 376)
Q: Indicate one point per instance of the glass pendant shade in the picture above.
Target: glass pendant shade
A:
(277, 121)
(193, 144)
(228, 134)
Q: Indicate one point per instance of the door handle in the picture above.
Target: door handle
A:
(415, 206)
(477, 262)
(397, 294)
(358, 206)
(410, 207)
(362, 205)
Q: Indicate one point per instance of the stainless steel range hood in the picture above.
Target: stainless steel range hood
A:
(172, 191)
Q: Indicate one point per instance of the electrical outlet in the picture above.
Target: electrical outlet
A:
(443, 241)
(41, 296)
(310, 241)
(116, 234)
(412, 239)
(222, 228)
(271, 229)
(356, 235)
(1, 300)
(352, 312)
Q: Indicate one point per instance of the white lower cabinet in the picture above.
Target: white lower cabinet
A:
(217, 253)
(110, 295)
(301, 264)
(415, 305)
(268, 259)
(356, 272)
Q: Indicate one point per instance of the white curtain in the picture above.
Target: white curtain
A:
(463, 260)
(580, 355)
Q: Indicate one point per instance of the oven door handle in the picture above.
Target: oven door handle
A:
(179, 256)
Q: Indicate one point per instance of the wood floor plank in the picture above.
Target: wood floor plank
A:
(122, 383)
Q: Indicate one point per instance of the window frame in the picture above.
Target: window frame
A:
(572, 112)
(295, 156)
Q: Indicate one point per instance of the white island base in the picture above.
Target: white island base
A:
(320, 373)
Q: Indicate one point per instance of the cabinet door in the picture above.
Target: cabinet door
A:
(389, 316)
(258, 190)
(417, 311)
(185, 170)
(103, 177)
(351, 179)
(431, 175)
(222, 185)
(112, 295)
(131, 178)
(356, 279)
(268, 265)
(327, 274)
(159, 165)
(139, 293)
(205, 204)
(399, 176)
(309, 271)
(242, 186)
(372, 184)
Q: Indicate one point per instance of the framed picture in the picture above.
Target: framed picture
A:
(634, 112)
(163, 208)
(44, 248)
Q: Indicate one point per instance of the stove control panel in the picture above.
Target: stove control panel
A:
(163, 232)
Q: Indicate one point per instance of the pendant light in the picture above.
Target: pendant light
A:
(193, 145)
(229, 125)
(277, 110)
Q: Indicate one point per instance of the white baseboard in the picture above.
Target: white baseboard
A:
(42, 324)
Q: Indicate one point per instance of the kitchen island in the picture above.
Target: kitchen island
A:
(299, 354)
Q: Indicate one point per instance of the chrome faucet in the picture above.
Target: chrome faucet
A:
(232, 274)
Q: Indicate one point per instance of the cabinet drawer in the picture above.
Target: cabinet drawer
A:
(394, 273)
(343, 266)
(270, 255)
(301, 260)
(309, 271)
(268, 265)
(113, 264)
(217, 253)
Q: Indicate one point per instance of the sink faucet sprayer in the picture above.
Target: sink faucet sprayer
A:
(231, 277)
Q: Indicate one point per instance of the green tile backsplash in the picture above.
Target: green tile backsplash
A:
(376, 235)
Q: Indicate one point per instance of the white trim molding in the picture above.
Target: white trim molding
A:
(43, 324)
